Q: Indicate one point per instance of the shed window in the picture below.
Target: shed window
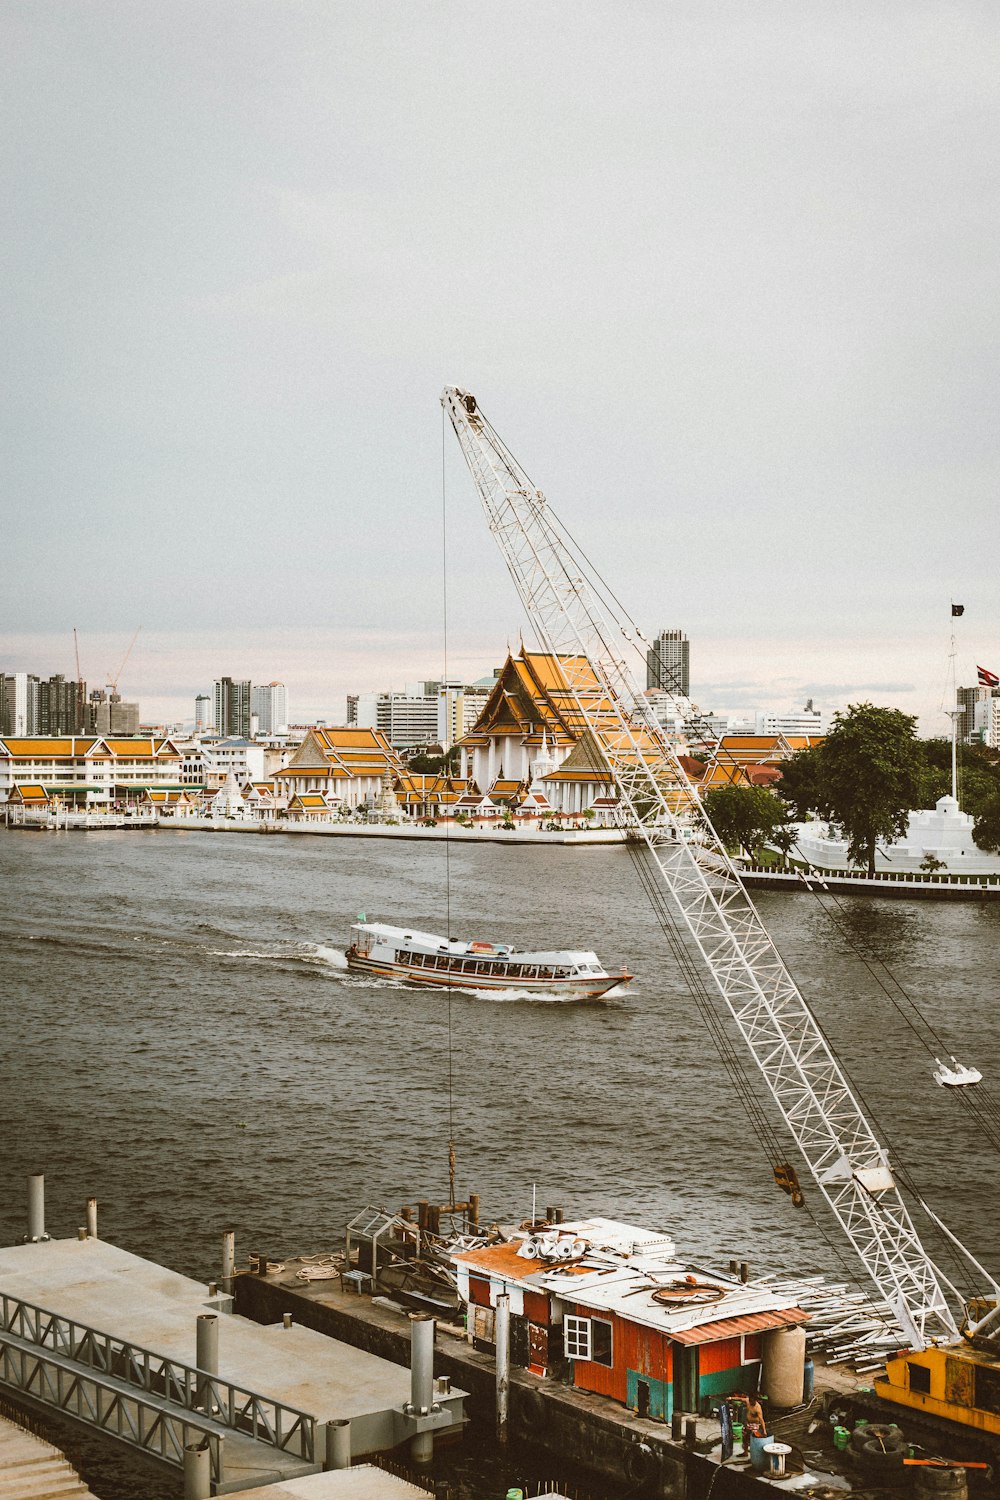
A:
(920, 1378)
(587, 1338)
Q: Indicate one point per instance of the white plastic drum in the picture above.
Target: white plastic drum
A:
(784, 1366)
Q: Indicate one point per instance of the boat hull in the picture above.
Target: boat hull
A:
(576, 987)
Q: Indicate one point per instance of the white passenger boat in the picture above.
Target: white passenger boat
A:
(422, 958)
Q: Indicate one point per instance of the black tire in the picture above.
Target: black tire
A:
(530, 1413)
(881, 1463)
(886, 1436)
(641, 1465)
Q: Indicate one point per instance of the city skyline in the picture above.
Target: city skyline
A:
(741, 330)
(165, 676)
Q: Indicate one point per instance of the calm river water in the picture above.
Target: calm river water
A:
(182, 1040)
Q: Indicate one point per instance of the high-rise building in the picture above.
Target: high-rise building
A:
(975, 706)
(61, 706)
(202, 713)
(668, 664)
(231, 702)
(18, 703)
(269, 705)
(107, 714)
(459, 706)
(408, 719)
(425, 713)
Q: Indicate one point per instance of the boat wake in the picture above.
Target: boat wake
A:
(531, 997)
(274, 955)
(335, 957)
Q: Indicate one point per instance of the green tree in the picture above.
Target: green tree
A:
(431, 765)
(746, 816)
(986, 829)
(978, 774)
(870, 774)
(800, 783)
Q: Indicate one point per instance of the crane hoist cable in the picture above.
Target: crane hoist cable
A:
(980, 1102)
(760, 1123)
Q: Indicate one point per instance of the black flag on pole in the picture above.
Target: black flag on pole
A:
(957, 609)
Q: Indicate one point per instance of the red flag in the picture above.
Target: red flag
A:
(987, 679)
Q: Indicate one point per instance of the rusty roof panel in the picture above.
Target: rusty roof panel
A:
(731, 1328)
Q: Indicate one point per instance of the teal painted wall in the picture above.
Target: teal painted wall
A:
(660, 1395)
(725, 1382)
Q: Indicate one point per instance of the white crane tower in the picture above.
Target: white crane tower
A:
(581, 623)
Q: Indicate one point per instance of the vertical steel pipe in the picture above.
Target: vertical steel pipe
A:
(228, 1261)
(421, 1383)
(92, 1218)
(336, 1444)
(421, 1363)
(503, 1363)
(197, 1472)
(206, 1355)
(36, 1207)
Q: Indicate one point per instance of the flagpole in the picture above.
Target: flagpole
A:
(956, 609)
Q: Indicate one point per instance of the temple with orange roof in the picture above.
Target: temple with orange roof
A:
(348, 765)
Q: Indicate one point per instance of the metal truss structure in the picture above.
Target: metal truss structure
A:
(580, 622)
(146, 1400)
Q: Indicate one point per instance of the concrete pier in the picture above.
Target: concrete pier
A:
(142, 1306)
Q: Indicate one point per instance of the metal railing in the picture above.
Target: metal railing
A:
(934, 878)
(248, 1412)
(52, 1380)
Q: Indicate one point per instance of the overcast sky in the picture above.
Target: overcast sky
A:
(724, 277)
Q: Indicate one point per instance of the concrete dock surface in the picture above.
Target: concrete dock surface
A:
(102, 1287)
(365, 1482)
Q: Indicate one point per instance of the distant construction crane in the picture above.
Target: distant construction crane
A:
(113, 681)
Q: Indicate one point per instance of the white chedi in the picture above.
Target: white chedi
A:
(544, 762)
(228, 802)
(942, 832)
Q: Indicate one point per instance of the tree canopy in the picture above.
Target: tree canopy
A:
(986, 829)
(867, 776)
(747, 817)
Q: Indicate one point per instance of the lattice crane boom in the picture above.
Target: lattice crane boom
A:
(579, 624)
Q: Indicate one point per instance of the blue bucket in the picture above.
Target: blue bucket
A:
(758, 1458)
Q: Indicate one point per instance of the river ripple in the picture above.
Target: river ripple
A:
(183, 1042)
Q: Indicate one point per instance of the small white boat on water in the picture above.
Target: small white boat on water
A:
(422, 958)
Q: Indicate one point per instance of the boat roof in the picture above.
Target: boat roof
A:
(431, 943)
